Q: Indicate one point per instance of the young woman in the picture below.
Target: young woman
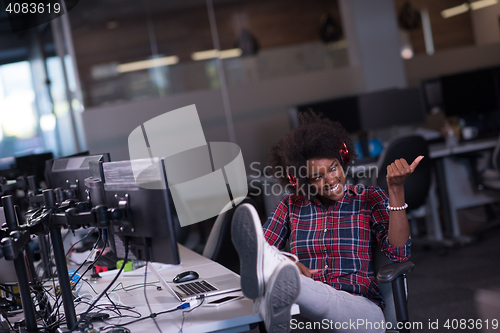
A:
(331, 228)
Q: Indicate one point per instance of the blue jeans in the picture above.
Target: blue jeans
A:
(326, 309)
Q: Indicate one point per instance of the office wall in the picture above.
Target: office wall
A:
(451, 61)
(486, 25)
(259, 112)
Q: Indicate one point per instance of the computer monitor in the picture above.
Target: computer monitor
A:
(433, 95)
(470, 93)
(394, 107)
(345, 110)
(144, 216)
(69, 173)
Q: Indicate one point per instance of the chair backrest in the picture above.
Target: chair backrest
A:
(417, 185)
(219, 246)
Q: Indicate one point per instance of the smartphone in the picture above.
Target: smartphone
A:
(223, 300)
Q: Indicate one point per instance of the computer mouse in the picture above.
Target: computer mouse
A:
(186, 276)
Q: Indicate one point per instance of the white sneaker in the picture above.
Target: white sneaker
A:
(282, 290)
(258, 259)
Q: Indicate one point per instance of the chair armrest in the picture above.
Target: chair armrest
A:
(390, 272)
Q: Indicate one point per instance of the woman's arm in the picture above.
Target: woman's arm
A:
(397, 172)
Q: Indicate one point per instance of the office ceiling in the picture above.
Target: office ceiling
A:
(13, 47)
(99, 11)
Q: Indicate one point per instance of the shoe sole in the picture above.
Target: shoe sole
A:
(248, 243)
(281, 292)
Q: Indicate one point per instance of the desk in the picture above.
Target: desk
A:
(452, 176)
(236, 316)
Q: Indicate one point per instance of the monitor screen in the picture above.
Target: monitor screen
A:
(387, 108)
(344, 110)
(69, 173)
(433, 95)
(470, 93)
(148, 223)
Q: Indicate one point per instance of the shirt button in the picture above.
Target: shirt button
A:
(324, 230)
(326, 266)
(324, 248)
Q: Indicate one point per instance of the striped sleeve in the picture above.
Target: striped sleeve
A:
(380, 227)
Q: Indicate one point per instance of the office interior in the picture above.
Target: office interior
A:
(79, 85)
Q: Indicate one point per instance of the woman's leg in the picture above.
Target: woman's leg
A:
(331, 310)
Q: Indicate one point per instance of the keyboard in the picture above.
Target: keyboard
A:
(197, 287)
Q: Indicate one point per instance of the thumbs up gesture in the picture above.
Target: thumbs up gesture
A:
(399, 170)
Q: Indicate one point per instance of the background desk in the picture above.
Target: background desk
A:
(236, 316)
(453, 176)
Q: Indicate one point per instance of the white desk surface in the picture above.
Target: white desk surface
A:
(232, 317)
(440, 149)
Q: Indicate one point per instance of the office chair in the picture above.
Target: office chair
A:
(219, 246)
(417, 185)
(391, 277)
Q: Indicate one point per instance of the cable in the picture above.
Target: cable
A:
(132, 286)
(95, 260)
(202, 297)
(72, 246)
(152, 315)
(146, 297)
(196, 307)
(56, 304)
(105, 290)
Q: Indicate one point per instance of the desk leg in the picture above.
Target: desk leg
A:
(443, 196)
(433, 222)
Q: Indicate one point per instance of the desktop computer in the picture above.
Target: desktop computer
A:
(68, 175)
(145, 217)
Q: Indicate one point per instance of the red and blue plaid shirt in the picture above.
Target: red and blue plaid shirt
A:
(338, 238)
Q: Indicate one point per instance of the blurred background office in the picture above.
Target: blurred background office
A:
(127, 62)
(84, 81)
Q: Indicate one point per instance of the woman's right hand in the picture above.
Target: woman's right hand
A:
(306, 271)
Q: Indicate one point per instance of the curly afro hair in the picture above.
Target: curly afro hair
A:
(316, 137)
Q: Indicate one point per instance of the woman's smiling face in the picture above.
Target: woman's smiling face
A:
(327, 175)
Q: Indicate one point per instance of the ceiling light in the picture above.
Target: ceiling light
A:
(455, 10)
(145, 64)
(210, 54)
(482, 3)
(407, 53)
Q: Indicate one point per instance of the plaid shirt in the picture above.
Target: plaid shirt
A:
(338, 238)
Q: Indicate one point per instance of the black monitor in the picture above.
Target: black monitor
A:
(24, 166)
(345, 110)
(69, 174)
(433, 95)
(470, 93)
(148, 221)
(394, 107)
